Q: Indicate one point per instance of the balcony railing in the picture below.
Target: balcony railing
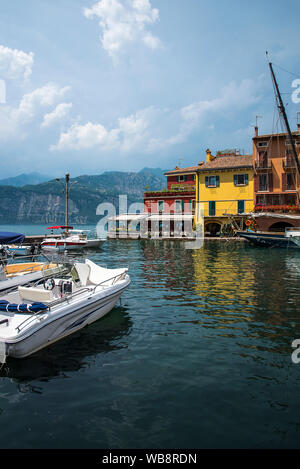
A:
(170, 192)
(277, 208)
(264, 165)
(288, 163)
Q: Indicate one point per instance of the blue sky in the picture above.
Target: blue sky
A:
(93, 86)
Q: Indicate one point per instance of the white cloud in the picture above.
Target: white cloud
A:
(123, 22)
(15, 64)
(129, 134)
(152, 129)
(59, 113)
(83, 137)
(13, 120)
(234, 97)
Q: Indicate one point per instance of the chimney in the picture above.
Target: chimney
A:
(209, 156)
(256, 131)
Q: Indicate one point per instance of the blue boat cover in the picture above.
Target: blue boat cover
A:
(11, 238)
(23, 308)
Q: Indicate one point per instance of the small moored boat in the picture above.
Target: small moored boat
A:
(36, 316)
(14, 274)
(65, 242)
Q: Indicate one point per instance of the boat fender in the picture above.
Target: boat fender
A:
(22, 308)
(49, 284)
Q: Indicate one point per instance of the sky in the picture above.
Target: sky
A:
(89, 86)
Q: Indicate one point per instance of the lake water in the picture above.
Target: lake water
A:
(198, 355)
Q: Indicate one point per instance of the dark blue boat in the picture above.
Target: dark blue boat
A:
(11, 238)
(268, 239)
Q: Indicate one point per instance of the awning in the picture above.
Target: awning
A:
(60, 228)
(11, 238)
(130, 217)
(275, 215)
(171, 217)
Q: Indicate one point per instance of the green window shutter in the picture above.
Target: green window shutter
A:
(235, 179)
(241, 206)
(246, 179)
(212, 209)
(217, 181)
(206, 181)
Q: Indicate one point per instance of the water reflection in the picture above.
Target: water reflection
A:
(72, 353)
(241, 293)
(201, 356)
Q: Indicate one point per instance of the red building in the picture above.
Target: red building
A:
(172, 210)
(179, 196)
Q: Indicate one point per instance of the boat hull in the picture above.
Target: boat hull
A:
(94, 243)
(19, 251)
(51, 330)
(61, 246)
(269, 239)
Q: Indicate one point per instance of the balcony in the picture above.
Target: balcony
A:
(288, 164)
(169, 193)
(260, 208)
(263, 166)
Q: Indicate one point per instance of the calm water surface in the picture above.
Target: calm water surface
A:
(198, 355)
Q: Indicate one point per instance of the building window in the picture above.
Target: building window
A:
(241, 206)
(161, 205)
(262, 144)
(212, 209)
(263, 183)
(241, 179)
(288, 142)
(181, 178)
(178, 205)
(290, 182)
(212, 181)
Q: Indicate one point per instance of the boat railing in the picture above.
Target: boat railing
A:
(32, 257)
(29, 320)
(67, 298)
(115, 279)
(32, 268)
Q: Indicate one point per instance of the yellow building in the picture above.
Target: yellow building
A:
(224, 187)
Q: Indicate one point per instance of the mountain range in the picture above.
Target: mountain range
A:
(44, 203)
(24, 179)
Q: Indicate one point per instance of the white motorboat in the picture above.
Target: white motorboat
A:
(65, 242)
(90, 242)
(33, 317)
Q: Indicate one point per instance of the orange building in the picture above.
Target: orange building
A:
(276, 181)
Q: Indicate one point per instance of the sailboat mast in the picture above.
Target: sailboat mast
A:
(282, 111)
(67, 201)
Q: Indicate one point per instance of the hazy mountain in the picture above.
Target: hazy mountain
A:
(24, 180)
(45, 203)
